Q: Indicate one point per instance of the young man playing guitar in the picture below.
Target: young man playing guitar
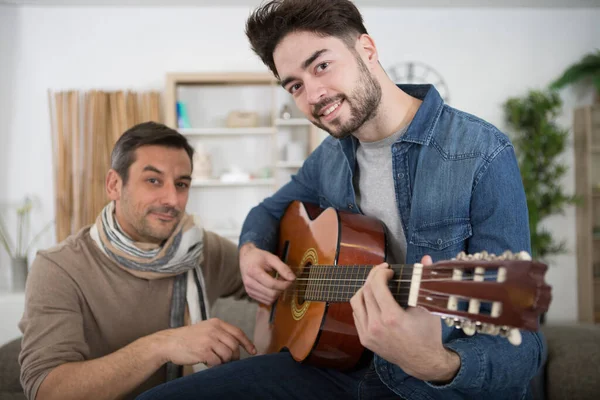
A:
(441, 180)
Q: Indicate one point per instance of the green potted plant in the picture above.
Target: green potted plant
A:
(19, 248)
(539, 142)
(587, 68)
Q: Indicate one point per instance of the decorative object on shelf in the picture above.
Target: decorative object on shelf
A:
(285, 112)
(587, 68)
(235, 174)
(183, 120)
(539, 143)
(18, 249)
(242, 119)
(202, 163)
(417, 72)
(264, 173)
(19, 272)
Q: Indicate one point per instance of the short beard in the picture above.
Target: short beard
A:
(363, 102)
(140, 223)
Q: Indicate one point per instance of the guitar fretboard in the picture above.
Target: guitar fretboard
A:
(334, 283)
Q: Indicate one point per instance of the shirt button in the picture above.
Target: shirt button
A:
(440, 241)
(350, 206)
(400, 175)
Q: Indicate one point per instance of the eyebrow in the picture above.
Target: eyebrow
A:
(305, 65)
(152, 168)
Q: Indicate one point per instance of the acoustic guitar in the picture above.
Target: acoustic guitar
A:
(332, 252)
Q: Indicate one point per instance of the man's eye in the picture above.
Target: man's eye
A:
(152, 180)
(182, 185)
(322, 66)
(294, 87)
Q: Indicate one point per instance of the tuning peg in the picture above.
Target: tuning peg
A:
(490, 329)
(458, 323)
(513, 335)
(478, 326)
(469, 328)
(523, 255)
(508, 255)
(453, 322)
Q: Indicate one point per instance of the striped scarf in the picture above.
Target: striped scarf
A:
(181, 256)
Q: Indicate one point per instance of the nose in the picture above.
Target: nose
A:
(169, 195)
(315, 91)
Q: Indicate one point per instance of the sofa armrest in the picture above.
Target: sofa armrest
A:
(10, 385)
(573, 361)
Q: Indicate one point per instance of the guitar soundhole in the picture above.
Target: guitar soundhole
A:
(303, 284)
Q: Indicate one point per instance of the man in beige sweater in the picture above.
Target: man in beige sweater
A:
(123, 304)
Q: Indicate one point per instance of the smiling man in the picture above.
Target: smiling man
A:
(120, 306)
(441, 181)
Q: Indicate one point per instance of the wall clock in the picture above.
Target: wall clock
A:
(418, 73)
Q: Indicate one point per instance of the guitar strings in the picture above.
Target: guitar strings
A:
(319, 290)
(363, 280)
(427, 293)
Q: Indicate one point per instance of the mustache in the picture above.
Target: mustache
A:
(170, 211)
(318, 108)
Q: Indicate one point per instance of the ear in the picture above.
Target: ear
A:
(368, 50)
(114, 185)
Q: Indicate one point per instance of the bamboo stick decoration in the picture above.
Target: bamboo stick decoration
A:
(124, 124)
(87, 159)
(68, 132)
(61, 213)
(84, 128)
(133, 113)
(54, 144)
(76, 162)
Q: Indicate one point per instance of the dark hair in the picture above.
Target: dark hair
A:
(272, 21)
(145, 134)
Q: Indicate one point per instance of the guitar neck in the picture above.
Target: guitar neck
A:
(333, 283)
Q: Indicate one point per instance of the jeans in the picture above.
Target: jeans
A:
(273, 376)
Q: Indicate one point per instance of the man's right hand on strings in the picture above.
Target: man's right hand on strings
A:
(257, 267)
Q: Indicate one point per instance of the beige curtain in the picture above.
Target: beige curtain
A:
(85, 126)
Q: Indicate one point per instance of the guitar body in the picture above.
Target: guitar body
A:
(318, 333)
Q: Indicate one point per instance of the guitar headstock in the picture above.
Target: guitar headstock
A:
(486, 293)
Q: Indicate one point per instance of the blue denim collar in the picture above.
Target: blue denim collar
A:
(423, 125)
(421, 128)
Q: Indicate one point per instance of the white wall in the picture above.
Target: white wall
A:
(485, 55)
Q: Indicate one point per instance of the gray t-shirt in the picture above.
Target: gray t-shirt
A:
(375, 193)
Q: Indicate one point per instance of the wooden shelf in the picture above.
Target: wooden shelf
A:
(216, 182)
(220, 131)
(289, 164)
(292, 122)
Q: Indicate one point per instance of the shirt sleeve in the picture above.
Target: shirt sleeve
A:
(261, 226)
(52, 324)
(221, 268)
(500, 222)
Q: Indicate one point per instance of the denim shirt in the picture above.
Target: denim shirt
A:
(458, 188)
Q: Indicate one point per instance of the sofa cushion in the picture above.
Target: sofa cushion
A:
(10, 386)
(573, 361)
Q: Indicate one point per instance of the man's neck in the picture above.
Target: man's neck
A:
(396, 110)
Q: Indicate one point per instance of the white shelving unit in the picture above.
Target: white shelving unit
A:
(266, 130)
(216, 182)
(258, 154)
(292, 122)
